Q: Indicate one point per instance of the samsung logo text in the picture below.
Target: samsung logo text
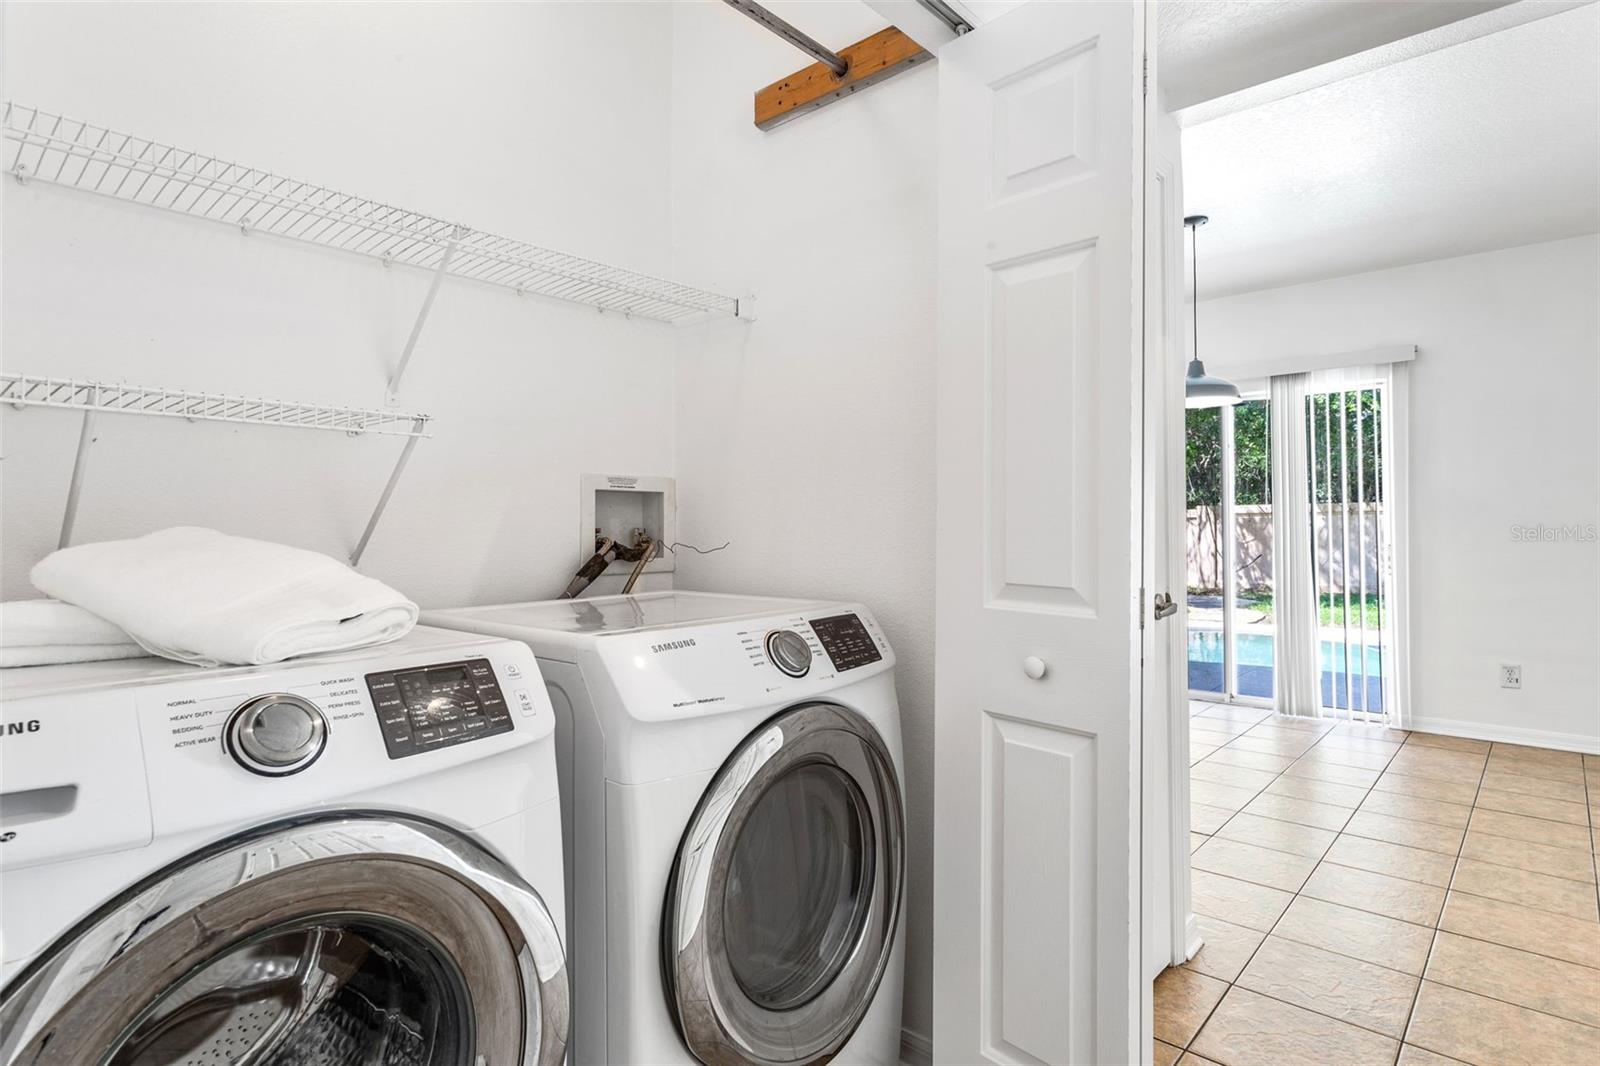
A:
(672, 645)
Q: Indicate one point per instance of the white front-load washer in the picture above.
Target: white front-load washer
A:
(350, 858)
(731, 775)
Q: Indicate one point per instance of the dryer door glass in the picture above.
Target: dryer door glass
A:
(372, 940)
(799, 886)
(783, 904)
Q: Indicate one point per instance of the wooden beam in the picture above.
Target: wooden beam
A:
(872, 59)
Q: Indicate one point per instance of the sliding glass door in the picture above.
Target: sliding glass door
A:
(1232, 625)
(1231, 573)
(1229, 548)
(1250, 615)
(1203, 465)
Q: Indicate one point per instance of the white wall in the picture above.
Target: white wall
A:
(1503, 434)
(806, 438)
(494, 115)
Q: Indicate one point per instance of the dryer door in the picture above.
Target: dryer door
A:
(783, 902)
(348, 939)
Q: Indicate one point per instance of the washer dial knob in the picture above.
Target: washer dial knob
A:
(276, 735)
(789, 652)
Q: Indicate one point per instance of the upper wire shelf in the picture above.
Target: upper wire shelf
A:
(25, 391)
(64, 151)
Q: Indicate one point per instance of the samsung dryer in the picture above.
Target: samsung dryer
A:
(350, 858)
(731, 776)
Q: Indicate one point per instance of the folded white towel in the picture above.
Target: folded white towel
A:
(204, 597)
(43, 632)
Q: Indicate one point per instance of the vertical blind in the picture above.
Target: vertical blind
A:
(1351, 540)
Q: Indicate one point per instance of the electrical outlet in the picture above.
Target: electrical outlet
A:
(1510, 675)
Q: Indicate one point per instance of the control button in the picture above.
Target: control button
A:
(525, 701)
(513, 670)
(276, 735)
(789, 652)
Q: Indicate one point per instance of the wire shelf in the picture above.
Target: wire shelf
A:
(63, 151)
(24, 391)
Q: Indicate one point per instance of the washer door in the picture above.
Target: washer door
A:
(783, 902)
(367, 939)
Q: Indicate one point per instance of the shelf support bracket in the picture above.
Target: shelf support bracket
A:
(422, 315)
(388, 490)
(69, 516)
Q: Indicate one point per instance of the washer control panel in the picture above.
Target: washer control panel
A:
(846, 640)
(438, 706)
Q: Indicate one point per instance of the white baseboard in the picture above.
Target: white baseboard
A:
(1506, 734)
(915, 1049)
(1191, 938)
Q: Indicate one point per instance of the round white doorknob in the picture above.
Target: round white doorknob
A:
(1033, 666)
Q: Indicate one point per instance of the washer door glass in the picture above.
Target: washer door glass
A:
(782, 907)
(333, 991)
(377, 940)
(799, 886)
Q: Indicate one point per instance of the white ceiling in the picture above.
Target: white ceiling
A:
(1208, 48)
(1488, 143)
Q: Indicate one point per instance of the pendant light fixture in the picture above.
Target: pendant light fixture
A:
(1199, 388)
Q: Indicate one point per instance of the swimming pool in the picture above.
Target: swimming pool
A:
(1253, 675)
(1255, 649)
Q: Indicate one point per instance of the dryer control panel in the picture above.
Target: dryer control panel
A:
(661, 673)
(438, 705)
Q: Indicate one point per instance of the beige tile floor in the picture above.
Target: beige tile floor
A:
(1372, 896)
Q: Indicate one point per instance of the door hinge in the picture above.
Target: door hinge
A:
(1145, 76)
(1141, 606)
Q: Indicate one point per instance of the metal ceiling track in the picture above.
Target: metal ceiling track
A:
(947, 15)
(764, 18)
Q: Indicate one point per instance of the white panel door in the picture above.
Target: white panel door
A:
(1036, 934)
(1168, 930)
